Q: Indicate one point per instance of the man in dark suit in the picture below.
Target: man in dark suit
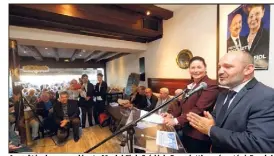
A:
(151, 100)
(139, 101)
(242, 120)
(66, 114)
(86, 100)
(100, 93)
(235, 41)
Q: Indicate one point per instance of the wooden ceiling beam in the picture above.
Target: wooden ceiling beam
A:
(124, 23)
(55, 51)
(111, 54)
(75, 53)
(35, 52)
(90, 56)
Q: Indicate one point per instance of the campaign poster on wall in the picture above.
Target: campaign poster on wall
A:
(248, 30)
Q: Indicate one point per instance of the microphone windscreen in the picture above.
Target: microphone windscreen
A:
(204, 85)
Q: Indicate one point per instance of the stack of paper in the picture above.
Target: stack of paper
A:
(153, 118)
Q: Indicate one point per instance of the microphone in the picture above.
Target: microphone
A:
(202, 85)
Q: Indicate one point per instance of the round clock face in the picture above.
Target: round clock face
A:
(183, 58)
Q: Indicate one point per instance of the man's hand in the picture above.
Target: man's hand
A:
(11, 109)
(51, 110)
(169, 121)
(13, 147)
(202, 124)
(87, 98)
(63, 123)
(166, 115)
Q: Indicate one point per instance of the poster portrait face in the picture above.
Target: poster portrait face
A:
(236, 25)
(255, 16)
(248, 30)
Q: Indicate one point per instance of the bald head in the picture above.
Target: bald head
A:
(177, 92)
(241, 56)
(235, 68)
(148, 92)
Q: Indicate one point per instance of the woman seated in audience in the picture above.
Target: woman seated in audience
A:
(203, 100)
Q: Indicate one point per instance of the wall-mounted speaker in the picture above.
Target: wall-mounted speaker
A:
(151, 24)
(142, 69)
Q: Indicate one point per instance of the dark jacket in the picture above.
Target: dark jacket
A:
(153, 100)
(41, 109)
(231, 46)
(103, 90)
(140, 101)
(90, 92)
(248, 124)
(198, 102)
(73, 110)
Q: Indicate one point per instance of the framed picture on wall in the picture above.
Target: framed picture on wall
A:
(248, 30)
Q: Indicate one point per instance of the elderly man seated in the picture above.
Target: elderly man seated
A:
(137, 100)
(44, 109)
(151, 100)
(17, 107)
(163, 98)
(66, 115)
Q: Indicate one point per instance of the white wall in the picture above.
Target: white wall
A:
(193, 27)
(119, 69)
(265, 76)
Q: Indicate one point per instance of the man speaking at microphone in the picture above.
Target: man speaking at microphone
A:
(193, 140)
(243, 119)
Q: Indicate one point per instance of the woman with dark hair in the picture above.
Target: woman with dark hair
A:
(203, 100)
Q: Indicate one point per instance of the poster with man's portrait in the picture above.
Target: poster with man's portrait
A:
(248, 30)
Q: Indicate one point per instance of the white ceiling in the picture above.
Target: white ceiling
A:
(171, 7)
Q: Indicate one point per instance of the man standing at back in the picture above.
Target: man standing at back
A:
(243, 120)
(100, 92)
(86, 100)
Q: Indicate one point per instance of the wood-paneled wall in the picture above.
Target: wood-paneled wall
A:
(172, 84)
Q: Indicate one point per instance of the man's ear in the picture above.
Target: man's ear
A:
(249, 69)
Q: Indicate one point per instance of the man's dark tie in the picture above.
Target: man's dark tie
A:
(238, 42)
(230, 95)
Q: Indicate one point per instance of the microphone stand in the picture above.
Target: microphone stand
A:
(130, 127)
(36, 116)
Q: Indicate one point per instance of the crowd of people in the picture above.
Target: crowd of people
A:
(56, 108)
(238, 118)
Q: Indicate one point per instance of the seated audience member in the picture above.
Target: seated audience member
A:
(66, 114)
(140, 99)
(44, 109)
(175, 108)
(243, 119)
(15, 145)
(151, 100)
(164, 97)
(32, 99)
(19, 117)
(203, 100)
